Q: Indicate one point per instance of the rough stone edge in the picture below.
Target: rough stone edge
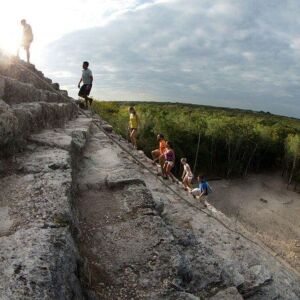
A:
(215, 213)
(78, 142)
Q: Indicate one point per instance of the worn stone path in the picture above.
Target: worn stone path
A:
(142, 241)
(38, 256)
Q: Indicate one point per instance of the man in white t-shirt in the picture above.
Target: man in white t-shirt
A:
(87, 79)
(26, 39)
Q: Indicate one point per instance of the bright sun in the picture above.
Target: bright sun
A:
(10, 38)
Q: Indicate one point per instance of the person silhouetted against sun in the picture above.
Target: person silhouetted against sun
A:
(27, 39)
(87, 79)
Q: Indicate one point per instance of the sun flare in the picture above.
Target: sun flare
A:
(10, 39)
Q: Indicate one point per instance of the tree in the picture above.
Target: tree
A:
(292, 146)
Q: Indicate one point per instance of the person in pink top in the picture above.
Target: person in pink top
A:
(169, 162)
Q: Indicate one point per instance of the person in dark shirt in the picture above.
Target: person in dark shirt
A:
(87, 80)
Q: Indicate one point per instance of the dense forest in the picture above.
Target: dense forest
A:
(230, 142)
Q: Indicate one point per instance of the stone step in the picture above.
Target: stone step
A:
(212, 258)
(19, 120)
(74, 134)
(37, 186)
(39, 259)
(13, 91)
(121, 234)
(27, 73)
(39, 264)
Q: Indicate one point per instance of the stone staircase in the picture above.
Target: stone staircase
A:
(141, 240)
(41, 134)
(26, 107)
(80, 219)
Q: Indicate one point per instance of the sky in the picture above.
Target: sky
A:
(229, 53)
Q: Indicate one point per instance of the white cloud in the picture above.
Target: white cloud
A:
(249, 56)
(51, 20)
(221, 8)
(295, 43)
(235, 53)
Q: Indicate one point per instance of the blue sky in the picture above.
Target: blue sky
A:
(228, 53)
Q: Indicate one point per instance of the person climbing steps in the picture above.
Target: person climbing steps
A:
(158, 154)
(202, 191)
(187, 175)
(169, 162)
(87, 80)
(134, 122)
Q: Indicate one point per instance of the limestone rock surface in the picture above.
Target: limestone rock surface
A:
(80, 218)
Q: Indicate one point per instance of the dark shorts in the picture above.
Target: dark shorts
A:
(85, 90)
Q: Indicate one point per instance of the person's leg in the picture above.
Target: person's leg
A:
(162, 160)
(83, 92)
(203, 200)
(88, 89)
(130, 135)
(189, 182)
(164, 171)
(133, 136)
(86, 101)
(184, 182)
(155, 154)
(170, 167)
(27, 48)
(195, 192)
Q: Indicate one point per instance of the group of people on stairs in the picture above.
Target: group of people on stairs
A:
(164, 156)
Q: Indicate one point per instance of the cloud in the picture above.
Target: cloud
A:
(227, 53)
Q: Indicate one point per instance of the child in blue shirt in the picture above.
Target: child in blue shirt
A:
(203, 189)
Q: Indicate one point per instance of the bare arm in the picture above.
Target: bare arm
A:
(79, 82)
(92, 78)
